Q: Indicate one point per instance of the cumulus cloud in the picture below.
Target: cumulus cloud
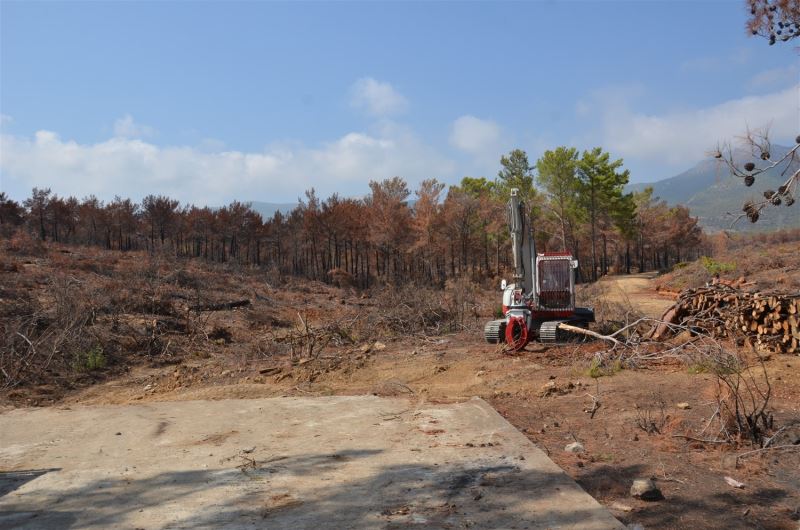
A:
(126, 127)
(474, 135)
(133, 167)
(377, 98)
(482, 141)
(680, 138)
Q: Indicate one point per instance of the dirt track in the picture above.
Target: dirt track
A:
(638, 291)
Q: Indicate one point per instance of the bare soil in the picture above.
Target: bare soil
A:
(636, 290)
(546, 392)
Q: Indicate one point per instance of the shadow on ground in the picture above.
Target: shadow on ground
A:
(292, 493)
(12, 480)
(718, 509)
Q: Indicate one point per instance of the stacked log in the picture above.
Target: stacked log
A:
(770, 321)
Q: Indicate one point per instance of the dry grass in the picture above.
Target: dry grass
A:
(72, 316)
(612, 312)
(769, 260)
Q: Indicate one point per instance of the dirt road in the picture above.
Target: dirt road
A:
(637, 290)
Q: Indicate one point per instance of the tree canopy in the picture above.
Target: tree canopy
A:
(577, 202)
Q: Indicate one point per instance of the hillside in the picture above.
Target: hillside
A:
(716, 197)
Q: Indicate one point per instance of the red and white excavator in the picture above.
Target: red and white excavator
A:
(542, 294)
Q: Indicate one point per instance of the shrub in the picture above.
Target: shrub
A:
(23, 243)
(89, 360)
(598, 368)
(716, 267)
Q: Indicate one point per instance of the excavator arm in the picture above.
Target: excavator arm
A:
(523, 246)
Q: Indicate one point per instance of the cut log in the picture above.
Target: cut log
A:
(669, 317)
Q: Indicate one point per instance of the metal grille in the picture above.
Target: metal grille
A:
(554, 284)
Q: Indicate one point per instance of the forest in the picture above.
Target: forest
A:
(392, 235)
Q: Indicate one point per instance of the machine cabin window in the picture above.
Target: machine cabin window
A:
(554, 284)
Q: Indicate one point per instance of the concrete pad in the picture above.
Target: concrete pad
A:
(333, 462)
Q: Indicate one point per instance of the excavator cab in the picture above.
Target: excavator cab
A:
(555, 289)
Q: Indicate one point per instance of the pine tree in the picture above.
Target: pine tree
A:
(600, 192)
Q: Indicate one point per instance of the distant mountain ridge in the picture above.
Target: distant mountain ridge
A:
(716, 197)
(268, 209)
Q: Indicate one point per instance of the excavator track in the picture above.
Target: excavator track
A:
(495, 331)
(549, 332)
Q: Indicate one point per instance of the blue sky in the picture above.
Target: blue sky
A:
(210, 102)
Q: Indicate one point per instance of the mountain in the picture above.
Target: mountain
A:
(268, 209)
(716, 197)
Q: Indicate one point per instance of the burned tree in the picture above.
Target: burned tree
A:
(775, 20)
(760, 159)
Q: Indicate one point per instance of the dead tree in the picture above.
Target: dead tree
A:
(762, 159)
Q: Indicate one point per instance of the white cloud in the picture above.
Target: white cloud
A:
(718, 63)
(681, 138)
(377, 98)
(126, 127)
(474, 135)
(133, 167)
(211, 145)
(775, 77)
(610, 96)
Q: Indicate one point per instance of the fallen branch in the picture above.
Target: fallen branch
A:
(224, 306)
(590, 333)
(775, 448)
(699, 439)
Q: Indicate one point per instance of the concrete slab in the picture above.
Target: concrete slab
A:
(334, 462)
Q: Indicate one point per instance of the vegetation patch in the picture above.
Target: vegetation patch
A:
(599, 368)
(715, 267)
(89, 360)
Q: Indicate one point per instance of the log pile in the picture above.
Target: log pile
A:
(770, 321)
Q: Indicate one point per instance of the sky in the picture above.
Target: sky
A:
(210, 102)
